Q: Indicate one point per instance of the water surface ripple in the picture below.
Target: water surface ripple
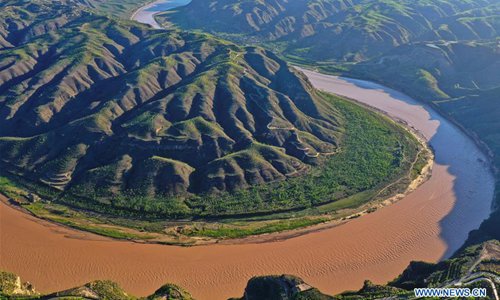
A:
(428, 224)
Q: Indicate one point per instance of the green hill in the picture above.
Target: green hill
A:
(115, 8)
(11, 287)
(110, 115)
(437, 71)
(338, 30)
(444, 52)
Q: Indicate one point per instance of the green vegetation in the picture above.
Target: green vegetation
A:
(62, 215)
(170, 292)
(333, 31)
(459, 79)
(111, 117)
(106, 289)
(478, 258)
(8, 283)
(12, 287)
(143, 129)
(374, 291)
(8, 188)
(108, 116)
(382, 153)
(116, 8)
(333, 186)
(222, 231)
(280, 287)
(444, 52)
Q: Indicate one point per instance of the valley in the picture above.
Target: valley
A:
(334, 32)
(319, 258)
(192, 140)
(443, 53)
(428, 222)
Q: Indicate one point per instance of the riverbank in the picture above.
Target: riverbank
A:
(142, 15)
(428, 224)
(342, 73)
(87, 223)
(413, 168)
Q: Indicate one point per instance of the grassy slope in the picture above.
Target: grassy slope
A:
(107, 115)
(12, 288)
(367, 140)
(116, 8)
(334, 30)
(405, 46)
(335, 186)
(185, 93)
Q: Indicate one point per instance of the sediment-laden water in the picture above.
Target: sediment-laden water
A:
(428, 224)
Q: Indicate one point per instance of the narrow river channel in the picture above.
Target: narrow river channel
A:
(429, 224)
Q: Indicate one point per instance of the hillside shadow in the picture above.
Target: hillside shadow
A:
(473, 183)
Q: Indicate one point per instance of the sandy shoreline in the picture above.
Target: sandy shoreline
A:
(135, 11)
(150, 3)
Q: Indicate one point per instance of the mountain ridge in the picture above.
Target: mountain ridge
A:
(337, 30)
(169, 95)
(112, 113)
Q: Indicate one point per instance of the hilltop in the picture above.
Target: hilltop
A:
(445, 53)
(11, 287)
(338, 30)
(181, 112)
(116, 8)
(112, 116)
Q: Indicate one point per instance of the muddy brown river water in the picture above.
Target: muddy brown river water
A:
(428, 224)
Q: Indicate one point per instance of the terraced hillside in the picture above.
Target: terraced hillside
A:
(114, 116)
(339, 30)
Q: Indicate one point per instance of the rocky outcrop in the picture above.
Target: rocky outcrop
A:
(11, 285)
(170, 292)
